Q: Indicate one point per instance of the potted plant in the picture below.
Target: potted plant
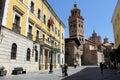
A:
(2, 71)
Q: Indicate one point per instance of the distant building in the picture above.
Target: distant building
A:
(93, 50)
(92, 55)
(76, 31)
(95, 38)
(108, 51)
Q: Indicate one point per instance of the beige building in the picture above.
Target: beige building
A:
(116, 24)
(116, 29)
(31, 36)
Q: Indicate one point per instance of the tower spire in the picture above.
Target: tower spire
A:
(75, 1)
(75, 5)
(93, 30)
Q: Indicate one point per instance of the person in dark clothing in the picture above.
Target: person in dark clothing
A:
(62, 67)
(65, 69)
(101, 67)
(75, 65)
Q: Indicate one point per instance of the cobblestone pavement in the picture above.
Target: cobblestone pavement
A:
(93, 73)
(43, 75)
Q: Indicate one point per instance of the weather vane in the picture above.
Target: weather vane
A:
(75, 1)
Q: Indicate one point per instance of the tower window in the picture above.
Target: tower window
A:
(72, 13)
(74, 25)
(81, 26)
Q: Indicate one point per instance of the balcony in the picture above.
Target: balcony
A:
(16, 28)
(47, 43)
(37, 39)
(29, 35)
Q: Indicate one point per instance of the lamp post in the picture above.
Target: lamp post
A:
(51, 64)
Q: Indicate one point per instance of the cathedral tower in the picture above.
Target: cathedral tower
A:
(76, 24)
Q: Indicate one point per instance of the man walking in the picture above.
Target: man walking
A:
(101, 67)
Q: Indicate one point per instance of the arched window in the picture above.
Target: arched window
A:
(44, 19)
(13, 51)
(28, 54)
(36, 55)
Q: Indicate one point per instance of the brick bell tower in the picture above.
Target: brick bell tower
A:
(76, 25)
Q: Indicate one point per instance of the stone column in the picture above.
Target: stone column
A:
(43, 58)
(47, 59)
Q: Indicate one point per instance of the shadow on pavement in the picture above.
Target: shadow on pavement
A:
(93, 73)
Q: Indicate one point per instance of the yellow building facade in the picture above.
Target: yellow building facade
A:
(33, 34)
(116, 24)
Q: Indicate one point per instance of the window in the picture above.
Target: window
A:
(58, 32)
(81, 26)
(44, 19)
(55, 30)
(32, 7)
(0, 6)
(30, 29)
(52, 28)
(0, 29)
(17, 20)
(21, 0)
(36, 55)
(28, 54)
(29, 34)
(13, 51)
(72, 13)
(39, 13)
(74, 25)
(43, 36)
(37, 34)
(62, 36)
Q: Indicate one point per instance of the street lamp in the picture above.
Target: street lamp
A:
(51, 64)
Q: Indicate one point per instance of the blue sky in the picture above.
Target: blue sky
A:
(97, 15)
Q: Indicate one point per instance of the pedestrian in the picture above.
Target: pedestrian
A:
(62, 68)
(75, 65)
(101, 67)
(65, 69)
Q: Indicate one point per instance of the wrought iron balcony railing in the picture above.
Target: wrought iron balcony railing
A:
(50, 43)
(29, 35)
(16, 28)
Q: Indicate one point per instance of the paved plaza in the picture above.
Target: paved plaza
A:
(43, 75)
(79, 73)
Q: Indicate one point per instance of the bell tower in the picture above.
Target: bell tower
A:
(76, 24)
